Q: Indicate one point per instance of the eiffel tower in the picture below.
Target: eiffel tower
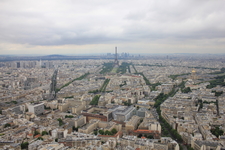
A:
(116, 62)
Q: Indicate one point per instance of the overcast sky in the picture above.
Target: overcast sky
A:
(97, 26)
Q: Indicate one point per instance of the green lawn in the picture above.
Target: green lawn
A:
(114, 70)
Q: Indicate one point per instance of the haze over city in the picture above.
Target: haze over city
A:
(144, 26)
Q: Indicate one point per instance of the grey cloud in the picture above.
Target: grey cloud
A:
(94, 22)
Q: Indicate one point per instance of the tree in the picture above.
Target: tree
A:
(181, 148)
(75, 128)
(114, 131)
(36, 133)
(7, 125)
(108, 132)
(95, 100)
(150, 137)
(101, 132)
(127, 103)
(95, 132)
(24, 145)
(44, 133)
(217, 131)
(60, 121)
(200, 106)
(15, 102)
(189, 147)
(186, 90)
(140, 135)
(218, 93)
(69, 116)
(40, 138)
(166, 132)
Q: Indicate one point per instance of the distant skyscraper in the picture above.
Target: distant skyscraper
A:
(18, 65)
(40, 63)
(116, 62)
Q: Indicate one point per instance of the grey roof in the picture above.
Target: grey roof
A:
(207, 143)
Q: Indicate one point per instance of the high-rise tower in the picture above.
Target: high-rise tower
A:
(116, 62)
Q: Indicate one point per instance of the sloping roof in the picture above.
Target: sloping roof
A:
(37, 136)
(145, 131)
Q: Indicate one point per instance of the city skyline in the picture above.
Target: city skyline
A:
(156, 102)
(84, 27)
